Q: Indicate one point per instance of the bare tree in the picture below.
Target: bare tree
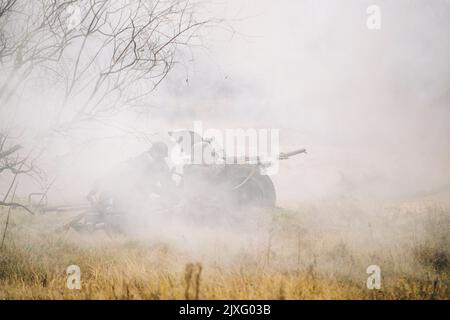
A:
(12, 162)
(32, 36)
(5, 9)
(106, 54)
(127, 48)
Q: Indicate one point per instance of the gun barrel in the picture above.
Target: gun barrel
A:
(66, 208)
(287, 155)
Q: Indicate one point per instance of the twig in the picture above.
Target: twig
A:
(16, 205)
(7, 219)
(10, 151)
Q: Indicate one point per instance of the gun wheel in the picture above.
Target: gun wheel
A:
(254, 189)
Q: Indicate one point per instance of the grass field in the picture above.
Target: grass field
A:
(309, 252)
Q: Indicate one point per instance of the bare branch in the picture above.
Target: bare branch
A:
(4, 154)
(15, 205)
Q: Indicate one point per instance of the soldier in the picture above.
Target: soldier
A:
(137, 178)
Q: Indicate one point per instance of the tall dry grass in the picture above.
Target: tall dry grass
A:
(312, 252)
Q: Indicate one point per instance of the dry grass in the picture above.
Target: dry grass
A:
(300, 254)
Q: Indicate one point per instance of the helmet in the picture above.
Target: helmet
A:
(159, 150)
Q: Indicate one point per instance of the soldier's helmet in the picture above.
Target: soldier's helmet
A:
(159, 150)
